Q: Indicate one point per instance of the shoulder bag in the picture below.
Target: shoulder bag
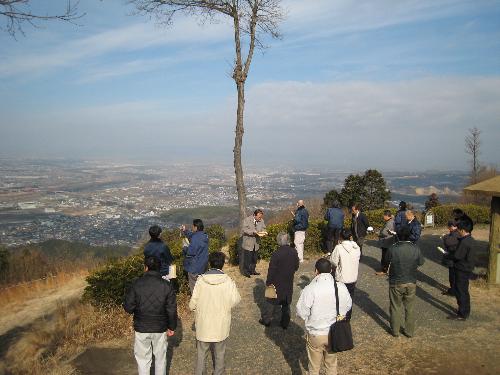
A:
(340, 335)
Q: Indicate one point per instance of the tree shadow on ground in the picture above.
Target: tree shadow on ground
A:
(430, 299)
(364, 302)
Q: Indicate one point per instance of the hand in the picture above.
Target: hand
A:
(170, 333)
(183, 227)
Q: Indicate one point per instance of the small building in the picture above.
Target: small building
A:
(491, 187)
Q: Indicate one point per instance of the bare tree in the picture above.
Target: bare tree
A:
(251, 20)
(472, 147)
(18, 12)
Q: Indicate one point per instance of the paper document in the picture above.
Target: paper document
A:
(442, 250)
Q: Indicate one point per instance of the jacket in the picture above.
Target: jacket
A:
(282, 266)
(335, 218)
(415, 230)
(158, 249)
(152, 301)
(400, 219)
(359, 225)
(214, 296)
(404, 257)
(316, 304)
(301, 219)
(248, 231)
(196, 254)
(450, 242)
(385, 238)
(345, 258)
(465, 254)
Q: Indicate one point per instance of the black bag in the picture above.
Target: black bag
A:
(340, 335)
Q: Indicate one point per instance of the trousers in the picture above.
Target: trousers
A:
(248, 261)
(402, 296)
(298, 239)
(332, 238)
(268, 312)
(462, 292)
(146, 344)
(218, 350)
(319, 354)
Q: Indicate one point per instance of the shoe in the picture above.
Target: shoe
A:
(407, 335)
(256, 273)
(246, 275)
(284, 327)
(456, 317)
(264, 323)
(381, 273)
(447, 293)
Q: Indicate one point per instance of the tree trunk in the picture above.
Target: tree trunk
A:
(238, 140)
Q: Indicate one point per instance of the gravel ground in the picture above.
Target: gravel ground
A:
(440, 346)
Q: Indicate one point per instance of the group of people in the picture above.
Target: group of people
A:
(326, 299)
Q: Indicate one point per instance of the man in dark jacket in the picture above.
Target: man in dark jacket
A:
(404, 258)
(282, 266)
(152, 301)
(196, 253)
(157, 248)
(359, 226)
(300, 224)
(335, 217)
(450, 242)
(400, 218)
(464, 260)
(413, 225)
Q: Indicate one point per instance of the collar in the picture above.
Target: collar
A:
(214, 271)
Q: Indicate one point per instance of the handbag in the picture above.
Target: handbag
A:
(340, 334)
(270, 292)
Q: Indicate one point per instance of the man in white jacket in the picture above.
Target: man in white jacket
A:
(316, 306)
(214, 296)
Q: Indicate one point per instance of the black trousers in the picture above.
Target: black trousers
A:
(462, 292)
(384, 264)
(350, 288)
(332, 238)
(248, 261)
(269, 310)
(451, 279)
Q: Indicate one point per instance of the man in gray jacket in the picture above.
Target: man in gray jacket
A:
(404, 258)
(253, 228)
(386, 240)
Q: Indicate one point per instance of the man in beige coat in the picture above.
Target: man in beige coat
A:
(214, 296)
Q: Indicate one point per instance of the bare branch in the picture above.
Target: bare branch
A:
(17, 12)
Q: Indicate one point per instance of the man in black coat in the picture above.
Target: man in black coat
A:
(284, 262)
(152, 301)
(359, 225)
(464, 260)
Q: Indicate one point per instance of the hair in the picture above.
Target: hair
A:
(198, 223)
(153, 263)
(345, 233)
(410, 211)
(402, 205)
(155, 231)
(387, 213)
(458, 213)
(323, 265)
(335, 204)
(452, 223)
(283, 239)
(465, 223)
(404, 233)
(258, 211)
(357, 206)
(216, 259)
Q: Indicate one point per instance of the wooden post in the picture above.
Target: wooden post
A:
(494, 258)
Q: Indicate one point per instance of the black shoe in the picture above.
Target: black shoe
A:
(456, 317)
(246, 275)
(256, 273)
(264, 323)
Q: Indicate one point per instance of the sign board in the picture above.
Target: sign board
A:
(429, 219)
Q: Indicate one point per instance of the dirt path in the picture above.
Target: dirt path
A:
(440, 346)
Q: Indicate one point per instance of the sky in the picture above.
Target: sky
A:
(351, 85)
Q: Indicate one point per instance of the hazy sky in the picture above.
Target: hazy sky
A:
(353, 84)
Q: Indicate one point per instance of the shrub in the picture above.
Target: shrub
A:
(108, 285)
(479, 214)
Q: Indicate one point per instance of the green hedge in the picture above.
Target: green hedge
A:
(108, 284)
(478, 214)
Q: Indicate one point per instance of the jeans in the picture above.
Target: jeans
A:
(332, 238)
(146, 344)
(218, 350)
(402, 295)
(298, 239)
(462, 292)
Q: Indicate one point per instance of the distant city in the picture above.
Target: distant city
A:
(106, 203)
